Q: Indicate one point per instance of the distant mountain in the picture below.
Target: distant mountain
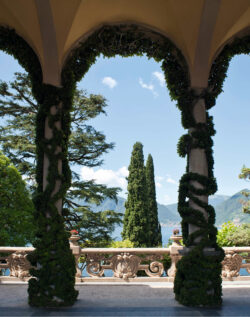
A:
(165, 215)
(231, 209)
(226, 207)
(214, 200)
(168, 216)
(109, 204)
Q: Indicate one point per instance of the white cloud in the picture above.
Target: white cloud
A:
(159, 178)
(123, 171)
(109, 81)
(106, 177)
(160, 77)
(165, 200)
(171, 180)
(158, 185)
(148, 86)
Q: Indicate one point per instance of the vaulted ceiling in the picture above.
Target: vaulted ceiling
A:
(200, 28)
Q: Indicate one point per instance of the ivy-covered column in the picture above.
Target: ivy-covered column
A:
(198, 279)
(53, 263)
(197, 163)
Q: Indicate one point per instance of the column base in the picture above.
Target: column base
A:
(198, 279)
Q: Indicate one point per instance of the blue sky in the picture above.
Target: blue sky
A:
(140, 109)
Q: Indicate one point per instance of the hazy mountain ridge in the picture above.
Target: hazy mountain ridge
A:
(231, 209)
(226, 208)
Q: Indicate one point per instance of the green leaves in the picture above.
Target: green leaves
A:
(136, 227)
(16, 208)
(155, 238)
(245, 174)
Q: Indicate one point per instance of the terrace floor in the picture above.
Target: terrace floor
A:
(131, 299)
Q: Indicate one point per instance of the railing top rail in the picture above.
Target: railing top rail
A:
(237, 249)
(15, 249)
(126, 250)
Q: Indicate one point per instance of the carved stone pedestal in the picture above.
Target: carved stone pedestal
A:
(18, 264)
(174, 254)
(231, 265)
(76, 250)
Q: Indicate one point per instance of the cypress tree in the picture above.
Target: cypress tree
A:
(135, 224)
(155, 238)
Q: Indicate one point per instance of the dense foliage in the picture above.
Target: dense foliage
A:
(245, 174)
(18, 108)
(136, 221)
(155, 238)
(16, 207)
(122, 244)
(231, 235)
(95, 228)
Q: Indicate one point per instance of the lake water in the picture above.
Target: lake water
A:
(165, 231)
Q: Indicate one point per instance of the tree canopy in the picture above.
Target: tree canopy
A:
(245, 174)
(16, 207)
(155, 238)
(135, 224)
(18, 109)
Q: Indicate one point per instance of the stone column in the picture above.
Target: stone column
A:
(198, 162)
(48, 134)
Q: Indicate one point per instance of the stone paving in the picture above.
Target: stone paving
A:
(148, 299)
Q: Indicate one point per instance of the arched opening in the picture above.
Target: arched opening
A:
(53, 175)
(139, 109)
(230, 152)
(198, 217)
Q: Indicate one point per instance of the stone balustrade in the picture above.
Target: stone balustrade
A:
(125, 263)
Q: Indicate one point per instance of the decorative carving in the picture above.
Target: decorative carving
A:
(155, 269)
(231, 265)
(18, 264)
(94, 269)
(125, 265)
(246, 265)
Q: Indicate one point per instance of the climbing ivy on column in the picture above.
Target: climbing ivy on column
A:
(198, 280)
(54, 266)
(53, 263)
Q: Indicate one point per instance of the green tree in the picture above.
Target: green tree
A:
(231, 235)
(135, 224)
(18, 110)
(245, 174)
(16, 207)
(95, 228)
(155, 238)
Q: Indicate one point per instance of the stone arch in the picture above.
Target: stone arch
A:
(146, 29)
(16, 46)
(127, 40)
(238, 44)
(198, 182)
